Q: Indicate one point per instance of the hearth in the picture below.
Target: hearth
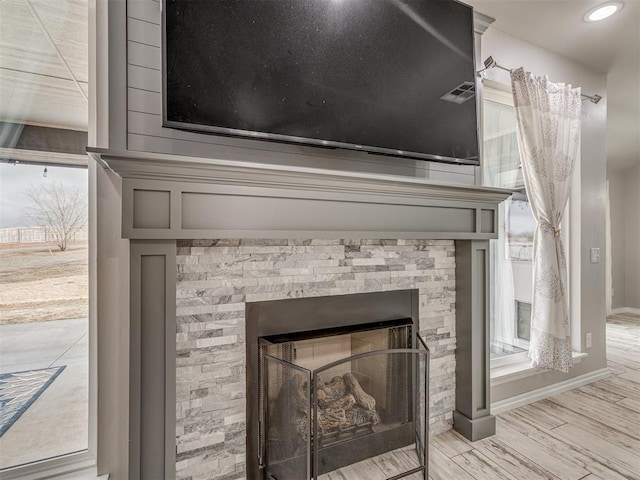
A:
(336, 381)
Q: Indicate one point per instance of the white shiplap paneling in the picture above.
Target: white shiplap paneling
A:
(144, 101)
(144, 78)
(144, 32)
(147, 11)
(144, 55)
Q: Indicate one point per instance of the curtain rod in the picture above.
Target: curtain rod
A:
(491, 63)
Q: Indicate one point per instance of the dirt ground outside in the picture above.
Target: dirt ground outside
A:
(39, 283)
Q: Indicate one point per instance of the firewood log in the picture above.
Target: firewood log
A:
(362, 398)
(345, 403)
(331, 419)
(333, 414)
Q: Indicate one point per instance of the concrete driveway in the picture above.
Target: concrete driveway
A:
(57, 422)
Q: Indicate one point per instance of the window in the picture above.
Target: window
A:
(512, 253)
(44, 254)
(44, 327)
(523, 320)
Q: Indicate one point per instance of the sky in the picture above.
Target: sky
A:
(521, 219)
(16, 179)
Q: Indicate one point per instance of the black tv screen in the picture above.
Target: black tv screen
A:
(395, 77)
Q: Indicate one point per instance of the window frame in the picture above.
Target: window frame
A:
(83, 460)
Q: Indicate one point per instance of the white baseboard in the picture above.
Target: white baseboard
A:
(623, 310)
(549, 391)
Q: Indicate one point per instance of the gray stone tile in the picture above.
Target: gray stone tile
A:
(216, 277)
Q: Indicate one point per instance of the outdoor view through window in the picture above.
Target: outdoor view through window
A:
(43, 313)
(44, 326)
(512, 252)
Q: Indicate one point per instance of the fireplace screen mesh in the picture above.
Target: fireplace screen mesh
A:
(288, 419)
(370, 406)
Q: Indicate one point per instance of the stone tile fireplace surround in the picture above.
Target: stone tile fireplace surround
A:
(207, 236)
(215, 279)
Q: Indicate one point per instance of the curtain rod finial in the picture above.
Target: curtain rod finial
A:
(489, 62)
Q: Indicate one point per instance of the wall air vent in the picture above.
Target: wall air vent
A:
(461, 93)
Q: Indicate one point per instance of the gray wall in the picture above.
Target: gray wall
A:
(512, 52)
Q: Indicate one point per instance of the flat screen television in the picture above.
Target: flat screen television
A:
(392, 77)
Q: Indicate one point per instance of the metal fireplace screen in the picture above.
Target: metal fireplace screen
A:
(370, 406)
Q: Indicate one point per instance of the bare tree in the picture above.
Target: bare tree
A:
(62, 209)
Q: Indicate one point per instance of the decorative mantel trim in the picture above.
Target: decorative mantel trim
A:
(171, 196)
(179, 168)
(481, 22)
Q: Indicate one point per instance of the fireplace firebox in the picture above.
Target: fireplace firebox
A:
(336, 382)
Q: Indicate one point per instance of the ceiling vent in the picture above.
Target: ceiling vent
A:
(461, 93)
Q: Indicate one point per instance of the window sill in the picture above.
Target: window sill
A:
(522, 369)
(87, 474)
(74, 466)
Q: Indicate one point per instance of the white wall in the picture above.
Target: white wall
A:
(512, 52)
(146, 133)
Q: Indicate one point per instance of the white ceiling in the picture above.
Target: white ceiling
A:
(44, 62)
(44, 59)
(611, 46)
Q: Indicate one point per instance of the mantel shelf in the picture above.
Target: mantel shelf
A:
(177, 168)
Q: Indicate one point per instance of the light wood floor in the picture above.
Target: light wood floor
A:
(590, 433)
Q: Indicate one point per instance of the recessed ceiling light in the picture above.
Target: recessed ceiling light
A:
(603, 11)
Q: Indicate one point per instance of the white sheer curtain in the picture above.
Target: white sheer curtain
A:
(500, 163)
(548, 118)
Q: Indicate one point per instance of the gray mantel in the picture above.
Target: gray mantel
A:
(170, 197)
(177, 197)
